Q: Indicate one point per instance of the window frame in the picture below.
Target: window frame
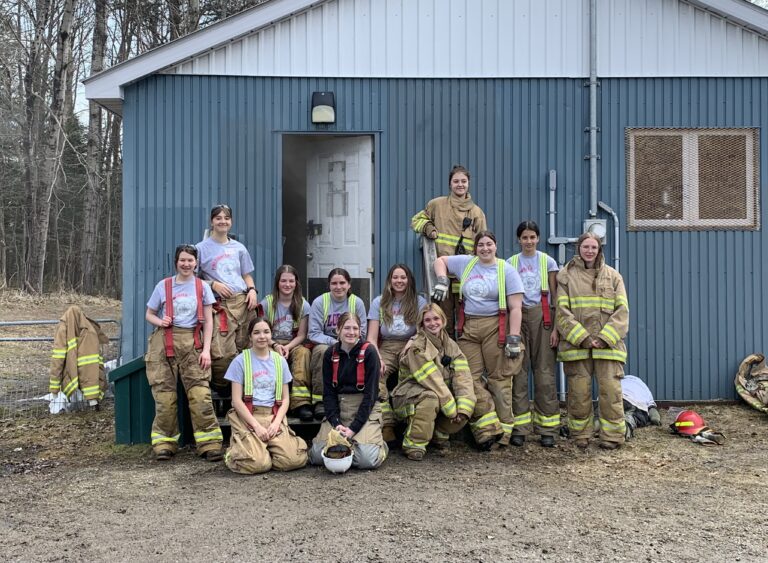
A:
(690, 174)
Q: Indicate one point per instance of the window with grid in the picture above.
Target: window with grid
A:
(693, 179)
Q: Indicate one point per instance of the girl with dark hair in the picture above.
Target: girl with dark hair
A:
(324, 315)
(226, 267)
(180, 347)
(489, 333)
(593, 319)
(350, 394)
(452, 221)
(261, 439)
(538, 272)
(391, 322)
(288, 313)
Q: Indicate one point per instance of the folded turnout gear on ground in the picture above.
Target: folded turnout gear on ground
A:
(752, 382)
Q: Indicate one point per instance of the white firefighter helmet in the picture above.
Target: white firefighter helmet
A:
(340, 461)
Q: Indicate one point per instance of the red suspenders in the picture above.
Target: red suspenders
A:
(360, 366)
(197, 332)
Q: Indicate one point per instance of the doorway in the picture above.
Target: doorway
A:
(328, 219)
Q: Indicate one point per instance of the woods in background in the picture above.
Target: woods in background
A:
(60, 157)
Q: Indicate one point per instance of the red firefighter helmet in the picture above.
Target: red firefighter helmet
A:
(688, 423)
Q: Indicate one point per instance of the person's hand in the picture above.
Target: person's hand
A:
(554, 339)
(383, 364)
(166, 321)
(598, 343)
(205, 359)
(512, 346)
(440, 291)
(261, 433)
(282, 350)
(252, 300)
(430, 231)
(273, 429)
(222, 289)
(344, 431)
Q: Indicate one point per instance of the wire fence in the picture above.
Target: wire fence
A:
(25, 357)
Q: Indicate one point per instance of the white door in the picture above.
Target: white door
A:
(340, 208)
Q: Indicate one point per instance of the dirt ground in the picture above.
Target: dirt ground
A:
(67, 493)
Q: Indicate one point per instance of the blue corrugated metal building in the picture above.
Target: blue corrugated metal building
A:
(224, 115)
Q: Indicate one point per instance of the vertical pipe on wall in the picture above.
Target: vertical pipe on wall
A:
(593, 108)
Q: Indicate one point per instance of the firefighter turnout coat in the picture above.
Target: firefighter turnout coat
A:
(76, 360)
(446, 215)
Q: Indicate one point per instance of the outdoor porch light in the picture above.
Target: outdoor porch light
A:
(323, 107)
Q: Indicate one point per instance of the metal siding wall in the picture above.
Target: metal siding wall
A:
(191, 142)
(697, 304)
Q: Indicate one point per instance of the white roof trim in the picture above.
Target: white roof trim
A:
(740, 12)
(108, 84)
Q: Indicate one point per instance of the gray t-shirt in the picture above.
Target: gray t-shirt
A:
(481, 290)
(225, 263)
(263, 377)
(528, 268)
(398, 330)
(324, 332)
(282, 325)
(184, 302)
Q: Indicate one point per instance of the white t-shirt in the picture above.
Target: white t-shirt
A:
(282, 325)
(184, 302)
(263, 377)
(528, 268)
(481, 289)
(398, 329)
(225, 263)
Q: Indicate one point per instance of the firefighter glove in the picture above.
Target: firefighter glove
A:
(440, 291)
(512, 347)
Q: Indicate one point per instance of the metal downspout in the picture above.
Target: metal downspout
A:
(593, 157)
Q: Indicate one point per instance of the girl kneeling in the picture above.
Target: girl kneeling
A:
(350, 397)
(261, 439)
(435, 394)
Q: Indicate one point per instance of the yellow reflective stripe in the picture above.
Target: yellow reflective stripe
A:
(71, 386)
(460, 364)
(621, 300)
(59, 352)
(609, 426)
(607, 354)
(487, 419)
(524, 418)
(441, 436)
(277, 361)
(419, 221)
(449, 408)
(386, 407)
(317, 398)
(571, 355)
(88, 360)
(446, 238)
(576, 335)
(563, 301)
(546, 421)
(54, 384)
(326, 305)
(466, 404)
(213, 436)
(247, 373)
(501, 282)
(543, 272)
(683, 423)
(579, 424)
(405, 411)
(409, 442)
(270, 309)
(506, 427)
(160, 438)
(610, 333)
(71, 343)
(424, 371)
(592, 301)
(90, 389)
(466, 272)
(299, 391)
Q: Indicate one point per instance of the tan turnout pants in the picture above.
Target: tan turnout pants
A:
(162, 374)
(540, 357)
(316, 372)
(225, 346)
(425, 422)
(368, 446)
(493, 412)
(580, 412)
(390, 354)
(299, 360)
(247, 454)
